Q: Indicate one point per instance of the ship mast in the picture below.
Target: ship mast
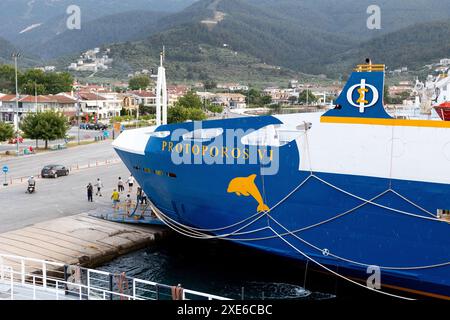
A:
(161, 92)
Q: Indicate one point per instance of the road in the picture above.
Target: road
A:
(73, 132)
(55, 198)
(31, 165)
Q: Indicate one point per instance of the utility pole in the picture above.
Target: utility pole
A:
(16, 55)
(35, 98)
(78, 122)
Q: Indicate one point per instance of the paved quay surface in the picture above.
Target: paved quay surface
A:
(79, 239)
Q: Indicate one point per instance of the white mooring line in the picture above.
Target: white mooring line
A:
(24, 278)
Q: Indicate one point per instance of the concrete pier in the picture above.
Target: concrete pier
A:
(79, 239)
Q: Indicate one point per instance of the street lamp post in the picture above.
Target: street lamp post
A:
(78, 121)
(16, 55)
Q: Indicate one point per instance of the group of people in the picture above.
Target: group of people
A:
(115, 197)
(90, 190)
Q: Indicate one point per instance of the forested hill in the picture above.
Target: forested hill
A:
(413, 47)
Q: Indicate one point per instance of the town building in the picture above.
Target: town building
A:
(230, 100)
(133, 99)
(102, 106)
(32, 104)
(175, 92)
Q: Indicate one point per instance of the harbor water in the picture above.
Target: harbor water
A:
(226, 269)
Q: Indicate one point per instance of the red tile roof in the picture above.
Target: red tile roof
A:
(64, 99)
(8, 98)
(40, 99)
(144, 94)
(90, 96)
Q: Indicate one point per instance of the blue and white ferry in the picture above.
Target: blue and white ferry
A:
(352, 189)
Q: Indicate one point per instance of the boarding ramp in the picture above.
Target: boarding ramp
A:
(24, 278)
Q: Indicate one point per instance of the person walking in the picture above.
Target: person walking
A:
(90, 191)
(139, 195)
(130, 182)
(120, 186)
(128, 204)
(115, 197)
(99, 186)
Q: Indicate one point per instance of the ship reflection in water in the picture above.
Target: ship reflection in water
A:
(230, 270)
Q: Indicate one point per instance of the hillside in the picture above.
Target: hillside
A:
(349, 17)
(296, 36)
(6, 50)
(243, 28)
(130, 25)
(263, 39)
(17, 15)
(412, 47)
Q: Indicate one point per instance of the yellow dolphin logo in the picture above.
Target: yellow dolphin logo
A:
(246, 186)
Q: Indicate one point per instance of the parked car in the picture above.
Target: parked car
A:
(54, 171)
(95, 126)
(83, 125)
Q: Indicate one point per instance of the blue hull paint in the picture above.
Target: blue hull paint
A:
(369, 235)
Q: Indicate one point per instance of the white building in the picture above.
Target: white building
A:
(101, 105)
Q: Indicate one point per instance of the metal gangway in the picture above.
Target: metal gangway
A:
(24, 278)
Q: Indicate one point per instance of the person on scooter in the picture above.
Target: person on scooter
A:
(31, 184)
(31, 181)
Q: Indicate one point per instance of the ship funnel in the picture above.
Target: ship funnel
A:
(362, 96)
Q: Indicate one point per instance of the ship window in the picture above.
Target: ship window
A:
(147, 170)
(159, 172)
(275, 135)
(172, 175)
(159, 134)
(203, 134)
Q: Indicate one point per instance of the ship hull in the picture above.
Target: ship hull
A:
(346, 222)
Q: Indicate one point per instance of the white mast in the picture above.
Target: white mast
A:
(161, 93)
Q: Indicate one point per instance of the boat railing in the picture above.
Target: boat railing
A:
(369, 67)
(29, 278)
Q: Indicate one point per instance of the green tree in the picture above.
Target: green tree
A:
(6, 131)
(188, 107)
(7, 78)
(190, 100)
(306, 96)
(214, 108)
(177, 114)
(139, 82)
(265, 100)
(210, 84)
(292, 99)
(45, 83)
(196, 115)
(45, 126)
(146, 110)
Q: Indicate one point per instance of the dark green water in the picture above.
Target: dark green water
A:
(226, 269)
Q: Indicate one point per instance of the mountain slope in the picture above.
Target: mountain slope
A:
(6, 50)
(49, 42)
(349, 17)
(412, 47)
(245, 29)
(17, 15)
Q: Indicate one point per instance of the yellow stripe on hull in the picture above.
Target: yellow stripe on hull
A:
(387, 122)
